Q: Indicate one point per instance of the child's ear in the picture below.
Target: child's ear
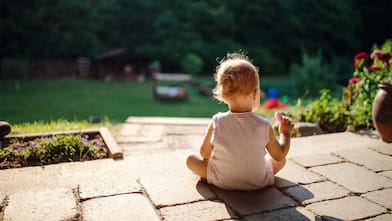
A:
(254, 93)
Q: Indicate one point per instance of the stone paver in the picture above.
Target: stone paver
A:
(384, 148)
(169, 121)
(382, 197)
(297, 214)
(294, 173)
(316, 160)
(353, 177)
(48, 204)
(384, 217)
(171, 189)
(203, 210)
(316, 192)
(368, 158)
(387, 174)
(107, 186)
(252, 202)
(327, 177)
(120, 207)
(349, 208)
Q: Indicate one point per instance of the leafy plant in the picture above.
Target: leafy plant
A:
(363, 86)
(51, 149)
(327, 111)
(311, 75)
(355, 108)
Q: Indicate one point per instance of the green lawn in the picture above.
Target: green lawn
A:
(23, 101)
(78, 99)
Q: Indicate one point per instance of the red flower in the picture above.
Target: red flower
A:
(374, 68)
(383, 56)
(359, 59)
(361, 55)
(354, 80)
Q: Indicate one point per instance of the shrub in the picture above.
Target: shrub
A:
(192, 64)
(311, 76)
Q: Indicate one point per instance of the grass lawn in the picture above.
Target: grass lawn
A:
(78, 99)
(24, 101)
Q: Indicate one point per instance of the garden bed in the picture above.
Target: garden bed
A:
(56, 147)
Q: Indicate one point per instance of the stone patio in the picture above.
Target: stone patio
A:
(341, 176)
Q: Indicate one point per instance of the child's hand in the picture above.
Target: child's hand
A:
(286, 126)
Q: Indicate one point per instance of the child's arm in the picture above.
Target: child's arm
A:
(206, 147)
(279, 150)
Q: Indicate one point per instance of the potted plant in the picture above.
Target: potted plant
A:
(368, 96)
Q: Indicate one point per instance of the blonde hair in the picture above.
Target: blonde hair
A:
(235, 75)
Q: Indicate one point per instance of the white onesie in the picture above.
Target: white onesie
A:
(239, 159)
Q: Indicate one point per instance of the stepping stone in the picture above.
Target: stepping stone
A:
(316, 192)
(252, 202)
(297, 214)
(120, 207)
(353, 177)
(48, 204)
(368, 158)
(203, 210)
(349, 208)
(173, 189)
(382, 197)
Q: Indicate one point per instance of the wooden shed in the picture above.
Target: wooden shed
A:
(123, 64)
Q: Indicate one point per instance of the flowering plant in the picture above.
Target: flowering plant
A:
(370, 71)
(50, 149)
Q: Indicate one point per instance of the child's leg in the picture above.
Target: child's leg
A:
(278, 165)
(197, 165)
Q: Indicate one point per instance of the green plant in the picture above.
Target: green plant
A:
(355, 108)
(192, 64)
(327, 111)
(311, 75)
(51, 149)
(363, 86)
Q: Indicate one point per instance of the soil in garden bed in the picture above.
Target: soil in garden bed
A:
(51, 148)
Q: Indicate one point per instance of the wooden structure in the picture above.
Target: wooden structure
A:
(169, 86)
(122, 64)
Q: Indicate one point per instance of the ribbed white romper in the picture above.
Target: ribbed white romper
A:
(239, 159)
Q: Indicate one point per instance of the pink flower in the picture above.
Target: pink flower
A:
(374, 68)
(354, 80)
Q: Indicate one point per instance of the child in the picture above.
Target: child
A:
(240, 151)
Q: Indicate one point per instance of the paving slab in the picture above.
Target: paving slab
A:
(145, 133)
(382, 197)
(108, 185)
(294, 213)
(203, 210)
(368, 158)
(387, 174)
(353, 177)
(169, 120)
(47, 204)
(186, 129)
(316, 160)
(172, 189)
(348, 208)
(120, 207)
(252, 202)
(384, 148)
(384, 217)
(327, 143)
(316, 192)
(294, 173)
